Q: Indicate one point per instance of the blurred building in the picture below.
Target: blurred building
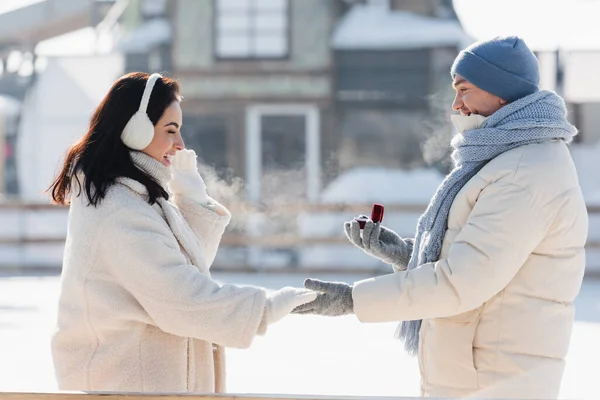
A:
(287, 93)
(36, 120)
(284, 94)
(22, 29)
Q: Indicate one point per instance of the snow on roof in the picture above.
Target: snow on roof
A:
(154, 32)
(93, 75)
(544, 24)
(81, 42)
(367, 26)
(10, 5)
(393, 186)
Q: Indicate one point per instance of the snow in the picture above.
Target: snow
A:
(364, 185)
(76, 43)
(301, 355)
(417, 186)
(579, 67)
(544, 24)
(370, 27)
(10, 5)
(392, 186)
(9, 106)
(357, 186)
(587, 162)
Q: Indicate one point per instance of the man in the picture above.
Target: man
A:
(485, 290)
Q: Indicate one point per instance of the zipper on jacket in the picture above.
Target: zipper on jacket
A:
(421, 355)
(187, 373)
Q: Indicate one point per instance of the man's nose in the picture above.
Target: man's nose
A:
(457, 104)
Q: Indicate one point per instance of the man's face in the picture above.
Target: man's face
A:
(469, 99)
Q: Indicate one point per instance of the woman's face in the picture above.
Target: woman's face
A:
(167, 138)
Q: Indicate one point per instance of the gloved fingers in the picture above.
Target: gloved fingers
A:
(388, 236)
(385, 235)
(185, 160)
(347, 230)
(350, 233)
(317, 285)
(374, 236)
(367, 233)
(175, 161)
(305, 312)
(178, 160)
(304, 307)
(355, 234)
(304, 297)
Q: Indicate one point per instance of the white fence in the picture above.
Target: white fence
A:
(33, 235)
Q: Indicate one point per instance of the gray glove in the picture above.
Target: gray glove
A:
(380, 242)
(334, 299)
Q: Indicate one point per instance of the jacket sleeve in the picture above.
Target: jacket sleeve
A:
(146, 260)
(208, 222)
(505, 226)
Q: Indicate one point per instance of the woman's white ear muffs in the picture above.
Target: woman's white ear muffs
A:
(139, 131)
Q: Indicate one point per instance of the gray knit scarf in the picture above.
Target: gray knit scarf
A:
(536, 118)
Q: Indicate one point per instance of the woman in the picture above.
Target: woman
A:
(139, 311)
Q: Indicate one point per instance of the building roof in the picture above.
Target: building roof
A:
(154, 32)
(370, 27)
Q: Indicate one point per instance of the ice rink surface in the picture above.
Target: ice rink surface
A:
(299, 355)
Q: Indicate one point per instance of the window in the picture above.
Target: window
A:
(207, 136)
(372, 78)
(154, 8)
(283, 141)
(251, 29)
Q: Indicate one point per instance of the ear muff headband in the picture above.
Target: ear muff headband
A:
(139, 131)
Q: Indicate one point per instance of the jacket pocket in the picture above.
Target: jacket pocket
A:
(447, 354)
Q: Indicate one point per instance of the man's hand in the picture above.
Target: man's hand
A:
(380, 242)
(333, 299)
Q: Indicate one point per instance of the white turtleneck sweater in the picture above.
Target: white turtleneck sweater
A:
(139, 311)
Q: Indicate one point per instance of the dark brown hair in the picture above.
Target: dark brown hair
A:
(100, 155)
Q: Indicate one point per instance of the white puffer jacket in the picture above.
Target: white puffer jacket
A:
(497, 308)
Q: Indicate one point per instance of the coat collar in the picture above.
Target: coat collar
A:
(159, 172)
(465, 123)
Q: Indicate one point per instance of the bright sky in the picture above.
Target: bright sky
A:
(79, 42)
(544, 24)
(8, 5)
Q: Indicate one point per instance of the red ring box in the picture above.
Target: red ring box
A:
(376, 215)
(377, 212)
(362, 222)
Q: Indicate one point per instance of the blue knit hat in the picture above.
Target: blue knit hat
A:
(503, 66)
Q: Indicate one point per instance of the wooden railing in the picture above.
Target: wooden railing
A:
(289, 239)
(166, 396)
(280, 240)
